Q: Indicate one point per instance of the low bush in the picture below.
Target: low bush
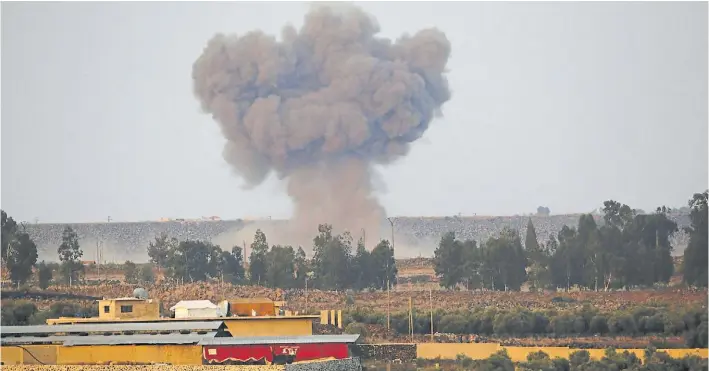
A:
(691, 323)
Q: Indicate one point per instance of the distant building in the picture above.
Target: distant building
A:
(195, 309)
(128, 308)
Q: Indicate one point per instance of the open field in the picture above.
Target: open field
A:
(399, 299)
(137, 368)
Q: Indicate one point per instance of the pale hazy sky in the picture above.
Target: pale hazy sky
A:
(557, 104)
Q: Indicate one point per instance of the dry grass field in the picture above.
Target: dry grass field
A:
(137, 368)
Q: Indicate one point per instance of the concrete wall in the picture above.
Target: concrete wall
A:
(283, 326)
(519, 354)
(172, 354)
(29, 354)
(451, 350)
(39, 354)
(11, 355)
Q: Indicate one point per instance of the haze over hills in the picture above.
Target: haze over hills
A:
(413, 236)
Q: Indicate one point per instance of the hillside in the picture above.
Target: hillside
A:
(414, 236)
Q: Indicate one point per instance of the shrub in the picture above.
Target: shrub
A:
(146, 274)
(579, 325)
(598, 325)
(652, 324)
(17, 313)
(463, 360)
(356, 328)
(499, 361)
(452, 323)
(130, 271)
(513, 323)
(44, 275)
(622, 324)
(577, 359)
(562, 324)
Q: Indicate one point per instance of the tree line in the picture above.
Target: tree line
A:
(580, 360)
(627, 249)
(334, 265)
(689, 322)
(19, 255)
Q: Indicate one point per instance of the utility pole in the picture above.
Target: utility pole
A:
(98, 261)
(430, 299)
(388, 299)
(244, 242)
(411, 319)
(391, 221)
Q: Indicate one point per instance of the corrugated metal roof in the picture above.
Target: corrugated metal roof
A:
(112, 327)
(139, 339)
(310, 339)
(191, 338)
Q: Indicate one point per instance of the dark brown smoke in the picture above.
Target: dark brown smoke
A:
(322, 105)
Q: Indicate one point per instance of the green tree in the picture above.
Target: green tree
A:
(332, 259)
(17, 313)
(22, 256)
(617, 214)
(130, 272)
(280, 270)
(538, 258)
(19, 252)
(44, 275)
(257, 260)
(609, 258)
(567, 261)
(70, 254)
(647, 249)
(231, 265)
(508, 259)
(301, 268)
(145, 274)
(448, 261)
(193, 260)
(9, 233)
(694, 265)
(383, 265)
(362, 269)
(472, 264)
(159, 250)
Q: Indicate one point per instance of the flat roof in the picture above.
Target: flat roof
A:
(113, 327)
(61, 320)
(307, 339)
(191, 338)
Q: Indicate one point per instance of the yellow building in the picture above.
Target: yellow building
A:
(133, 308)
(117, 310)
(248, 307)
(270, 325)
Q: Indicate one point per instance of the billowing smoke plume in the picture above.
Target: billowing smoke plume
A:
(322, 105)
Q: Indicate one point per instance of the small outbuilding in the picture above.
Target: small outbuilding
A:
(194, 309)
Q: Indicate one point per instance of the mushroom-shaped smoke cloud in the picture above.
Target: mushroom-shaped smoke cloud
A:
(322, 105)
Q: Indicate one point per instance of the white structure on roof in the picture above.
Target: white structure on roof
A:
(194, 309)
